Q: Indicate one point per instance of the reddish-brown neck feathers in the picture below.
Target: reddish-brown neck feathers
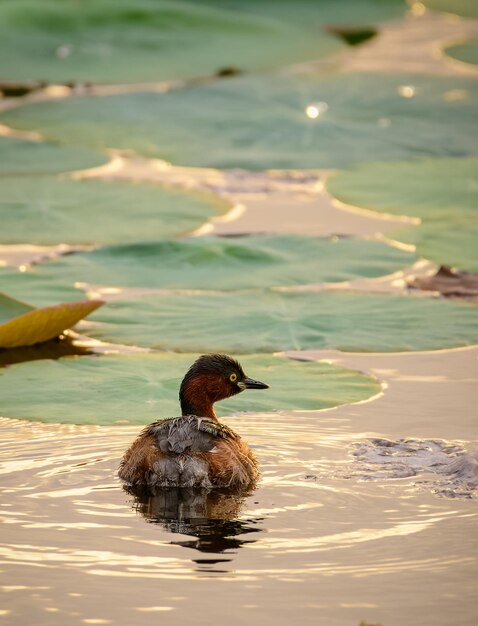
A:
(201, 392)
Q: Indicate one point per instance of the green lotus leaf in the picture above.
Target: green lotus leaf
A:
(22, 325)
(36, 288)
(47, 210)
(18, 156)
(143, 40)
(466, 52)
(227, 263)
(272, 121)
(445, 240)
(268, 321)
(443, 193)
(465, 8)
(310, 14)
(11, 307)
(139, 388)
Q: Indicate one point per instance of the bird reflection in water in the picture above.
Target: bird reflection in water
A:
(211, 516)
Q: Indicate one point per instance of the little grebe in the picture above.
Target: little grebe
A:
(195, 450)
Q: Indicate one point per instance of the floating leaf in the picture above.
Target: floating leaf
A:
(37, 325)
(47, 210)
(18, 156)
(311, 14)
(445, 239)
(267, 321)
(37, 288)
(120, 40)
(443, 193)
(224, 263)
(10, 308)
(466, 52)
(273, 121)
(139, 388)
(140, 40)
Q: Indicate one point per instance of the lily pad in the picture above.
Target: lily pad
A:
(37, 289)
(11, 307)
(224, 263)
(446, 241)
(272, 121)
(18, 156)
(47, 210)
(313, 14)
(143, 40)
(268, 321)
(466, 52)
(139, 388)
(465, 8)
(443, 193)
(22, 325)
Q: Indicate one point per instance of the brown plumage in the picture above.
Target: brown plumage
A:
(195, 450)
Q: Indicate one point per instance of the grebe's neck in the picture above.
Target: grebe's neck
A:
(198, 394)
(199, 409)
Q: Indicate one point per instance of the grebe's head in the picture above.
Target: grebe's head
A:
(213, 377)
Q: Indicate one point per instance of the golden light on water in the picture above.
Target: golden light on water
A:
(455, 94)
(153, 609)
(418, 9)
(316, 109)
(57, 91)
(407, 91)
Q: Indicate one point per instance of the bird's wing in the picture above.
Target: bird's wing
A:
(188, 433)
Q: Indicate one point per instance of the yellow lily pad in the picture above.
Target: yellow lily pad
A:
(30, 326)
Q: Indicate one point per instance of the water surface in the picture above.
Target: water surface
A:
(316, 534)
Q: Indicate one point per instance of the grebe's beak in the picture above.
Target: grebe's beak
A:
(249, 383)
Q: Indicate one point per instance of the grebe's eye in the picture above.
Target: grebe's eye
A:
(233, 378)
